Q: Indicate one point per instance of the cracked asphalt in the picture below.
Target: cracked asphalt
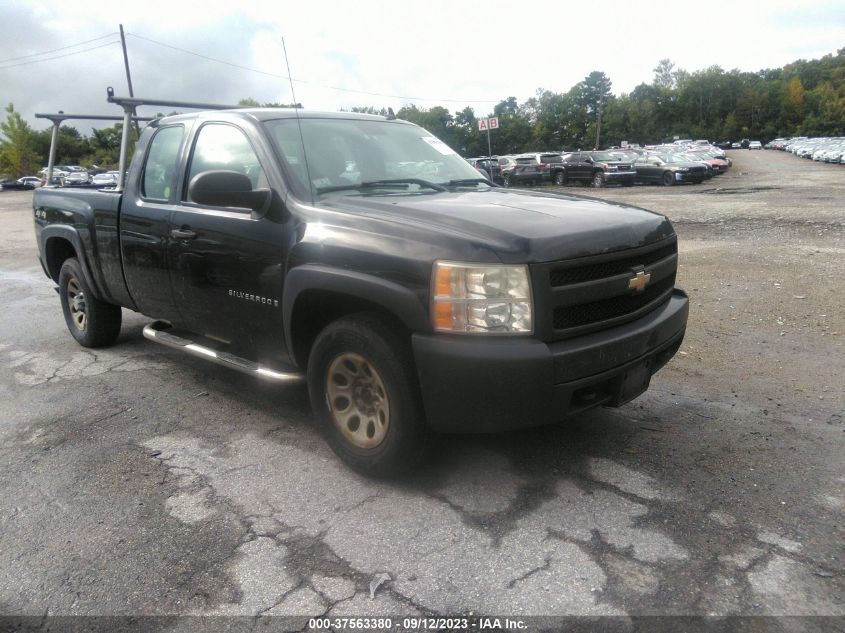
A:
(137, 481)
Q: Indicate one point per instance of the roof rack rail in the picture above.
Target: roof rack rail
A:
(59, 117)
(129, 104)
(134, 102)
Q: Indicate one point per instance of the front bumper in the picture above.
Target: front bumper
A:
(480, 384)
(685, 176)
(620, 176)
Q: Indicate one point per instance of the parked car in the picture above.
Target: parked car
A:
(21, 184)
(488, 165)
(717, 165)
(104, 180)
(551, 164)
(755, 145)
(76, 178)
(519, 169)
(668, 170)
(736, 145)
(598, 169)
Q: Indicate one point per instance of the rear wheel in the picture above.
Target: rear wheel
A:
(598, 179)
(93, 323)
(668, 178)
(506, 181)
(364, 394)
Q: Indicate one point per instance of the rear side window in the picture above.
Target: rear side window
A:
(162, 163)
(221, 146)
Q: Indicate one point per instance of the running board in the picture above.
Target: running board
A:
(157, 332)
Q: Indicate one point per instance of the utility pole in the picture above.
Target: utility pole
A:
(128, 75)
(598, 128)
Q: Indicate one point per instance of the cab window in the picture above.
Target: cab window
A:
(162, 163)
(224, 147)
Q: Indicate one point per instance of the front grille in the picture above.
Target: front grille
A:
(606, 309)
(565, 276)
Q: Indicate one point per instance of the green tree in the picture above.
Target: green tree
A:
(71, 145)
(249, 102)
(104, 146)
(368, 110)
(17, 146)
(664, 74)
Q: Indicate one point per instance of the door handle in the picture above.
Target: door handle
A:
(183, 234)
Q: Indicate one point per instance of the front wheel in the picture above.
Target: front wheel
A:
(598, 179)
(668, 179)
(93, 323)
(506, 181)
(560, 178)
(364, 393)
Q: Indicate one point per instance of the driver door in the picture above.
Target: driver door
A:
(227, 264)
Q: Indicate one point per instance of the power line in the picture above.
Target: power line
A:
(13, 59)
(302, 81)
(47, 59)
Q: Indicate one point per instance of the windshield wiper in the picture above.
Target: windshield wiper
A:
(468, 181)
(394, 183)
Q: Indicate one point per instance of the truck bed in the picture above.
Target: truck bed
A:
(89, 216)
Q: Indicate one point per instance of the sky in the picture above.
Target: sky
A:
(62, 55)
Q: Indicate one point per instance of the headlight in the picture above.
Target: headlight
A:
(481, 299)
(682, 169)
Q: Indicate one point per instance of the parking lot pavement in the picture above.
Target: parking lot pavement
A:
(140, 481)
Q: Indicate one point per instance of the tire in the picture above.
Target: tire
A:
(93, 323)
(560, 178)
(598, 179)
(365, 396)
(506, 180)
(668, 178)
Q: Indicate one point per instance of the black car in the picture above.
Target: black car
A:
(668, 170)
(16, 185)
(598, 169)
(519, 169)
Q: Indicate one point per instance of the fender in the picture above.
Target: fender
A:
(66, 232)
(397, 299)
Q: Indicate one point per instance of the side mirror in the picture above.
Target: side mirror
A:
(588, 160)
(223, 188)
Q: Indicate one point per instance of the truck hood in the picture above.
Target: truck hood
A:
(519, 227)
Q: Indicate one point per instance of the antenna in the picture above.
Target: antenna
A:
(298, 123)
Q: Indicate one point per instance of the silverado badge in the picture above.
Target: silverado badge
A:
(638, 282)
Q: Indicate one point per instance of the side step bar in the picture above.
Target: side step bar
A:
(157, 332)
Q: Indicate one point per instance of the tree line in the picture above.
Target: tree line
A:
(806, 97)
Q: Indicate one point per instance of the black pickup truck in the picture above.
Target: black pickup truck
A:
(364, 256)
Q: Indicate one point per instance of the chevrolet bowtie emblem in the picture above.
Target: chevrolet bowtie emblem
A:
(638, 282)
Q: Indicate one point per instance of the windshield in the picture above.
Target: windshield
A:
(675, 158)
(344, 154)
